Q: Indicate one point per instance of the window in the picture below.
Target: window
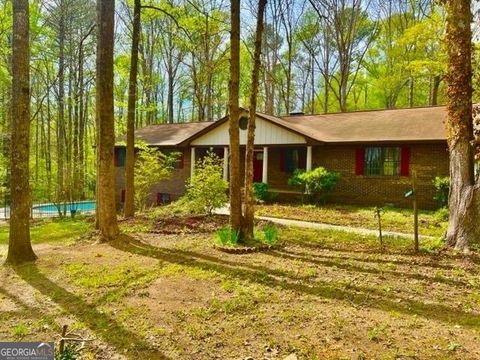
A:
(163, 199)
(382, 161)
(120, 155)
(292, 159)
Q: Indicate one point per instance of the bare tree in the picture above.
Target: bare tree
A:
(19, 246)
(129, 210)
(249, 196)
(352, 32)
(234, 111)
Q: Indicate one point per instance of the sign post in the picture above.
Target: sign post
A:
(413, 194)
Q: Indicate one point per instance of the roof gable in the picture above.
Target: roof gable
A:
(266, 133)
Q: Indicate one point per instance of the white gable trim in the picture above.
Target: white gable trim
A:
(266, 133)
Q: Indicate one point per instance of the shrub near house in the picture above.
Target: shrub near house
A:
(316, 184)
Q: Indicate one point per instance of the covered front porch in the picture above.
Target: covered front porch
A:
(272, 165)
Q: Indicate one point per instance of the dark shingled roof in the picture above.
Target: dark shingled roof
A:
(167, 134)
(417, 124)
(377, 126)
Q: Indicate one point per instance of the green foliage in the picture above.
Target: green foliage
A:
(20, 330)
(151, 167)
(262, 193)
(442, 214)
(270, 234)
(71, 352)
(59, 231)
(207, 190)
(315, 183)
(228, 236)
(442, 189)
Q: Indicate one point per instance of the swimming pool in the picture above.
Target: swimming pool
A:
(81, 206)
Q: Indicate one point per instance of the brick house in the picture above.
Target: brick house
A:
(375, 153)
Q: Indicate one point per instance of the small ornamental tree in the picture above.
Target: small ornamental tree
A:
(151, 167)
(315, 183)
(207, 190)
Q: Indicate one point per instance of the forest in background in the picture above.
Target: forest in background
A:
(317, 56)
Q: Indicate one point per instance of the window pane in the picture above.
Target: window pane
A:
(382, 161)
(373, 161)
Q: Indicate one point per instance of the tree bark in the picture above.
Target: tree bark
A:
(61, 133)
(464, 201)
(249, 196)
(234, 131)
(129, 210)
(19, 246)
(107, 216)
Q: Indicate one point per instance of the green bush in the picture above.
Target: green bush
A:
(442, 214)
(227, 236)
(262, 193)
(151, 167)
(260, 190)
(270, 234)
(316, 183)
(206, 189)
(442, 189)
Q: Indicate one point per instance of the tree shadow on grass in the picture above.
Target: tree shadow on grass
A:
(336, 262)
(24, 310)
(370, 251)
(105, 327)
(356, 295)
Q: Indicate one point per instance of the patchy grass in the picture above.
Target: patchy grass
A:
(324, 295)
(393, 219)
(334, 239)
(53, 230)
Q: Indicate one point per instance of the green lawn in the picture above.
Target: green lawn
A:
(431, 223)
(323, 295)
(52, 230)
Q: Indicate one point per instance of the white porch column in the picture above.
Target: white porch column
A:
(265, 165)
(192, 161)
(225, 163)
(309, 158)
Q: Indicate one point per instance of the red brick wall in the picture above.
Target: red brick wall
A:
(175, 185)
(429, 161)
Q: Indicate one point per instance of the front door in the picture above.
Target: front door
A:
(257, 166)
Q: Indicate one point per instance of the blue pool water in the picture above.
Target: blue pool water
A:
(84, 206)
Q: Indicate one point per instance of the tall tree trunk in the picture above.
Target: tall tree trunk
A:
(129, 210)
(235, 181)
(464, 201)
(61, 133)
(19, 245)
(107, 215)
(249, 196)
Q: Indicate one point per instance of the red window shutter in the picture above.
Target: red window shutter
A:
(360, 161)
(116, 156)
(159, 199)
(283, 159)
(405, 161)
(122, 196)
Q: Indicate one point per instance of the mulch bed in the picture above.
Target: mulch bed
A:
(190, 224)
